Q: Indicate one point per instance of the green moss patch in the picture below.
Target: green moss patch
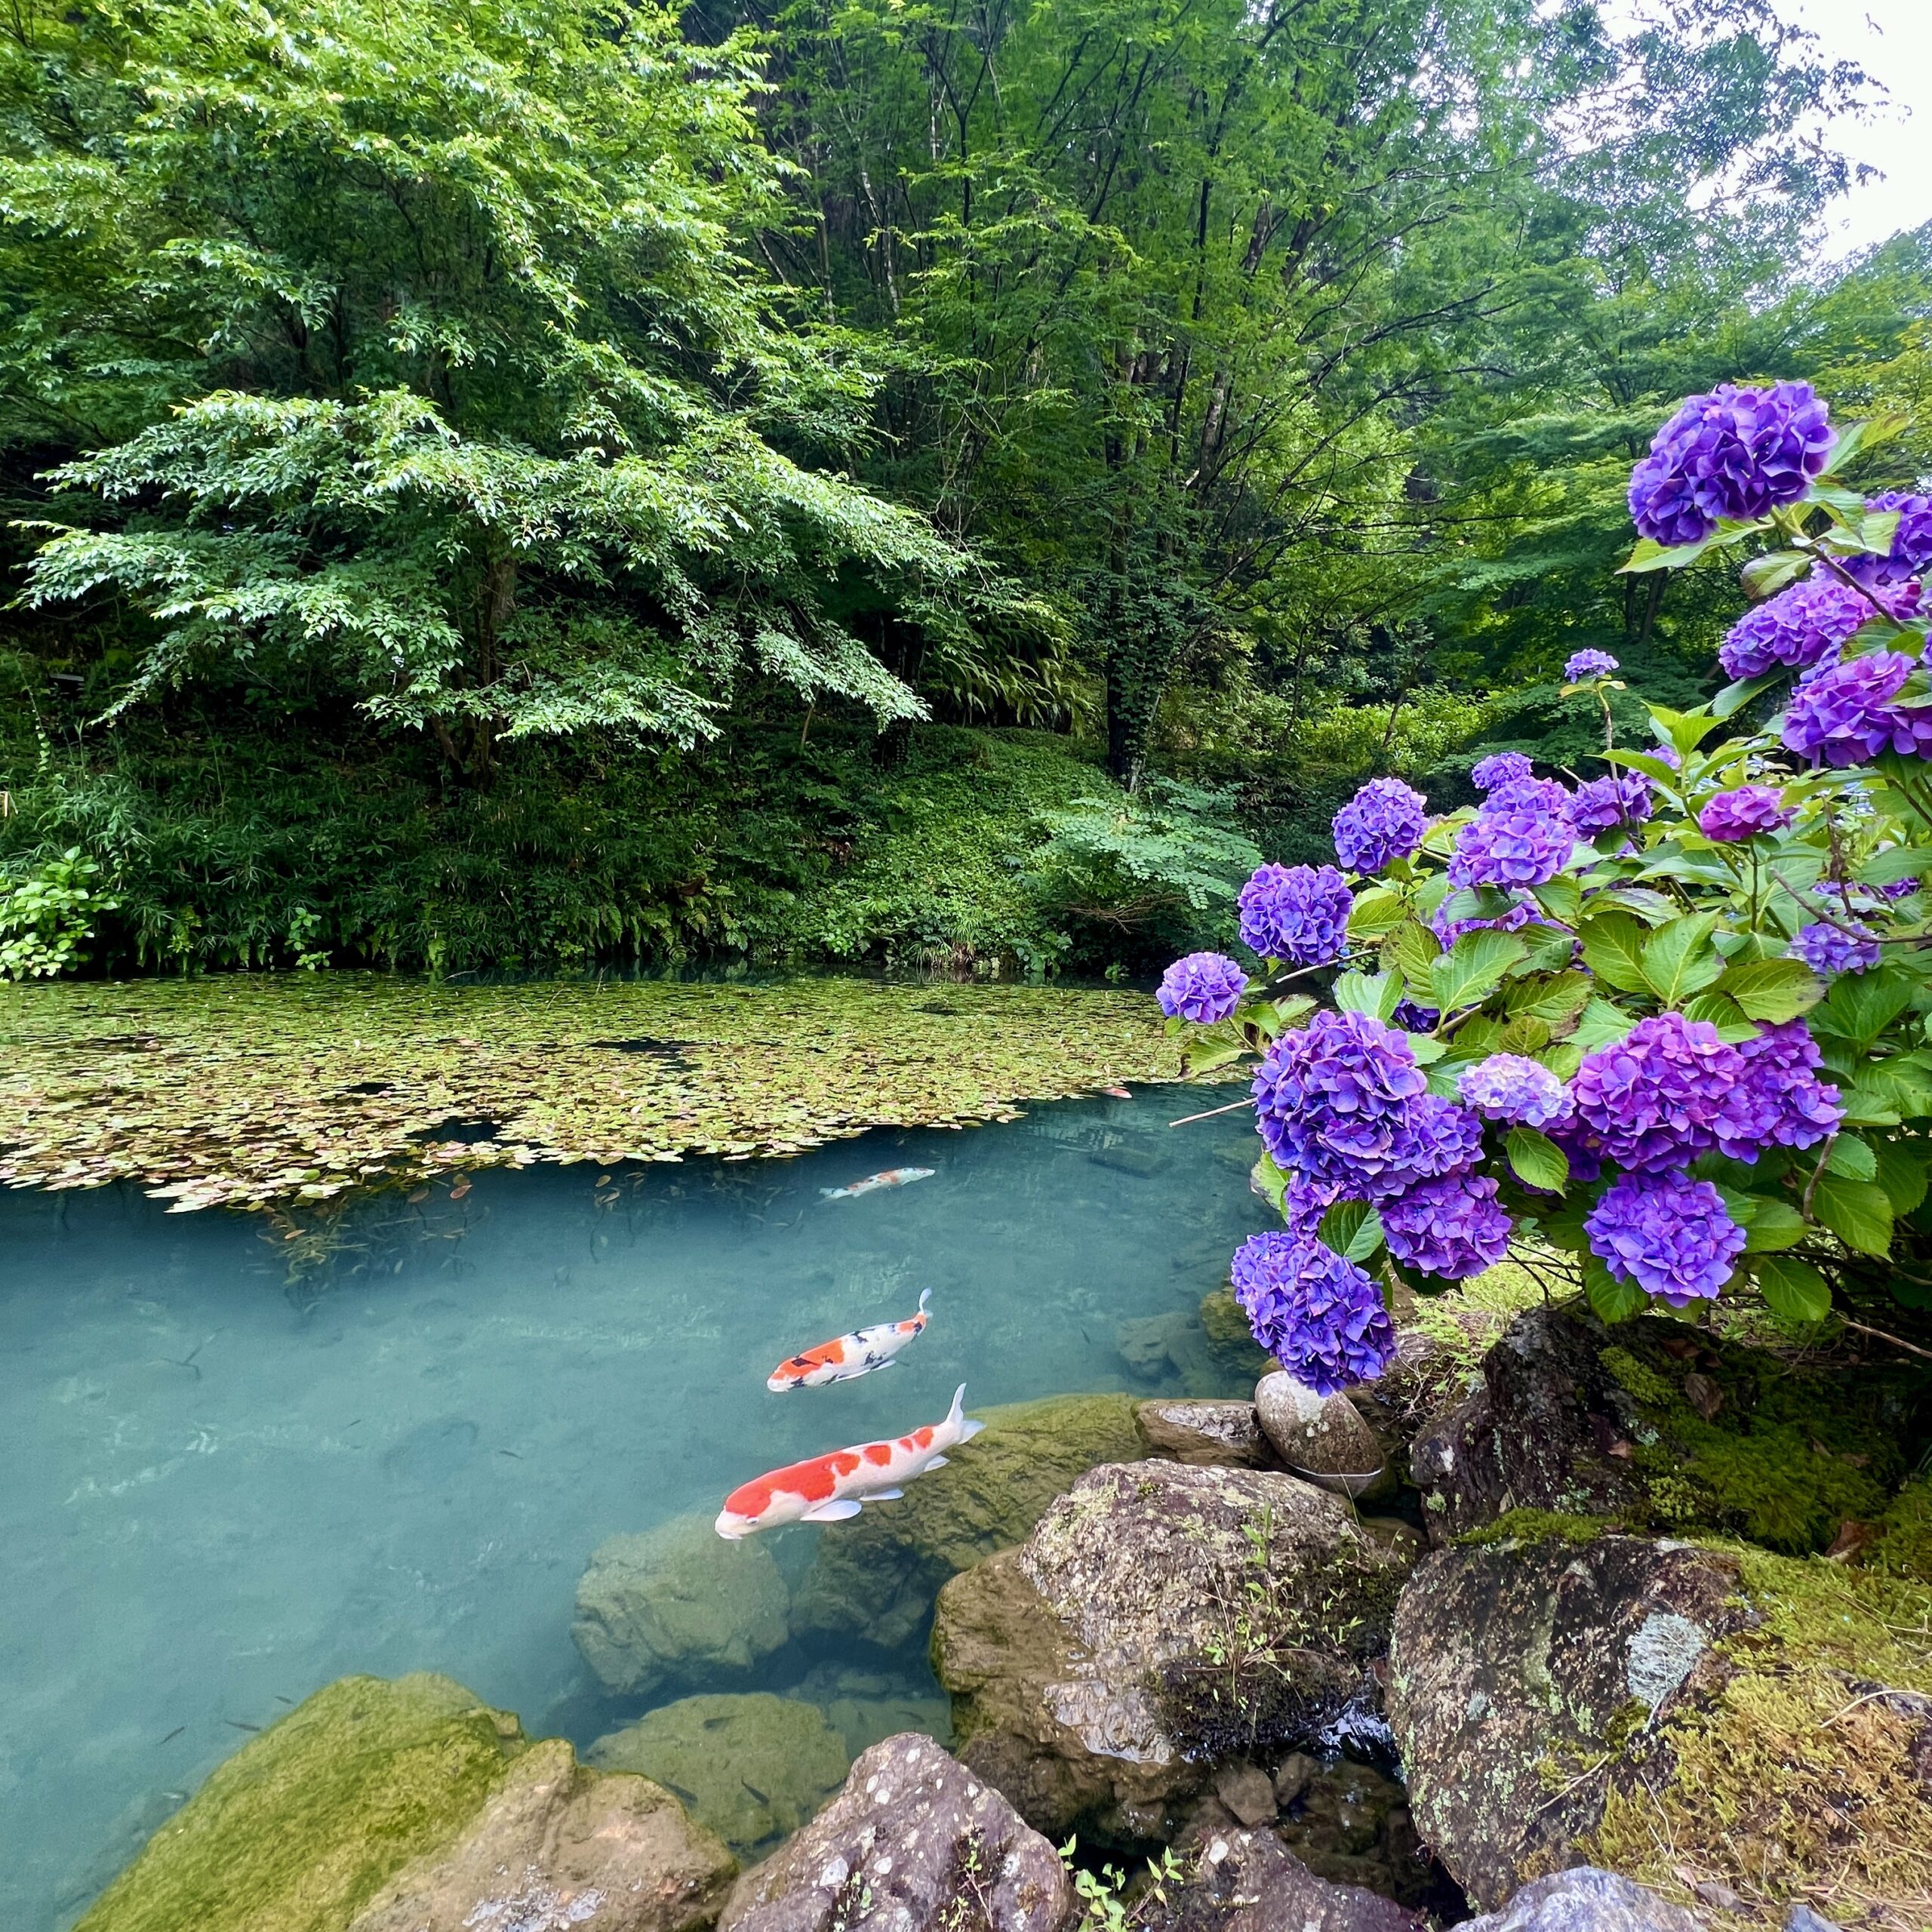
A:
(247, 1090)
(1536, 1526)
(300, 1829)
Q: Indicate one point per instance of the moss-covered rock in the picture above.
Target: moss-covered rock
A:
(300, 1829)
(876, 1577)
(1657, 1426)
(677, 1601)
(753, 1768)
(1905, 1535)
(1231, 1341)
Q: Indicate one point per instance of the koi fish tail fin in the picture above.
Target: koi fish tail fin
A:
(963, 1431)
(831, 1193)
(925, 1296)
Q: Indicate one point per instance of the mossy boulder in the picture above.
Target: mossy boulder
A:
(676, 1603)
(753, 1767)
(1654, 1425)
(1161, 1620)
(1904, 1538)
(1231, 1341)
(1683, 1714)
(876, 1577)
(409, 1806)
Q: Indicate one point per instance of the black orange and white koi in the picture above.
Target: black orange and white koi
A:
(847, 1356)
(892, 1177)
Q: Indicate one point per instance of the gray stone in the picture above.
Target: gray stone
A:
(676, 1603)
(1292, 1775)
(1249, 1882)
(557, 1846)
(1161, 1619)
(1585, 1900)
(1322, 1439)
(1248, 1794)
(1224, 1433)
(1804, 1919)
(752, 1767)
(914, 1843)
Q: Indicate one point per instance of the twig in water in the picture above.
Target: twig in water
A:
(1233, 1106)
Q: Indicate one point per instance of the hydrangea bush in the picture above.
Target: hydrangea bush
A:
(1672, 1019)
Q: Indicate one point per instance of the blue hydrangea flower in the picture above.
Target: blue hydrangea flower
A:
(1742, 813)
(1795, 629)
(1911, 541)
(1201, 986)
(1779, 1101)
(1296, 913)
(1735, 454)
(1846, 713)
(1448, 931)
(1315, 1312)
(1520, 836)
(1588, 664)
(1384, 821)
(1668, 1234)
(1499, 769)
(1652, 1100)
(1603, 804)
(1451, 1227)
(1508, 1087)
(1828, 950)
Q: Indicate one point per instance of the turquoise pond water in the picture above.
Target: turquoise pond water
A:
(226, 1484)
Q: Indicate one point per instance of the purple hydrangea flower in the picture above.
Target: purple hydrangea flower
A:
(1734, 453)
(1520, 835)
(1385, 820)
(1499, 769)
(1828, 949)
(1844, 713)
(1451, 1227)
(1911, 541)
(1448, 931)
(1742, 813)
(1315, 1312)
(1296, 913)
(1203, 987)
(1652, 1100)
(1342, 1103)
(1603, 804)
(1795, 629)
(1666, 1232)
(1508, 1087)
(1779, 1101)
(1588, 664)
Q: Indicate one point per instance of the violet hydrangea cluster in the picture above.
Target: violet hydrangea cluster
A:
(1742, 813)
(1499, 768)
(1383, 822)
(1297, 913)
(1451, 1227)
(1795, 629)
(1911, 542)
(1668, 1233)
(1588, 663)
(1848, 713)
(1651, 1100)
(1508, 1087)
(1779, 1100)
(1605, 805)
(1832, 950)
(1318, 1314)
(1520, 835)
(1201, 986)
(1734, 454)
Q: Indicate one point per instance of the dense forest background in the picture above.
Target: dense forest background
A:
(522, 483)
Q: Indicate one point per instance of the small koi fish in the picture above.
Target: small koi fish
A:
(829, 1489)
(858, 1353)
(892, 1177)
(1117, 1092)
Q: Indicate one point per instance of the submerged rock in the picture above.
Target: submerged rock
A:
(1160, 1618)
(1227, 1435)
(556, 1845)
(1657, 1427)
(1322, 1438)
(913, 1844)
(1248, 1882)
(1715, 1719)
(384, 1805)
(866, 1707)
(875, 1576)
(676, 1602)
(1585, 1900)
(752, 1767)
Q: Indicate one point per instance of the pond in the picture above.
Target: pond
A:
(245, 1457)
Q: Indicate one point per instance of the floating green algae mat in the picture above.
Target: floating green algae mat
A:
(244, 1090)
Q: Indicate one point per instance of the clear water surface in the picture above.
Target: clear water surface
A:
(235, 1469)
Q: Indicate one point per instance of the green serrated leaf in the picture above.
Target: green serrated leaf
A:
(1772, 1224)
(1902, 1173)
(1554, 1001)
(1859, 1212)
(1613, 946)
(1472, 969)
(1376, 994)
(1733, 698)
(1561, 898)
(1901, 861)
(1794, 1290)
(1268, 1181)
(1536, 1160)
(1772, 990)
(1852, 1158)
(1601, 1024)
(1375, 910)
(1861, 1006)
(1610, 1298)
(1686, 729)
(1649, 555)
(1352, 1229)
(1765, 576)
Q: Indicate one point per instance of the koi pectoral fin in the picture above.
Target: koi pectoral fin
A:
(934, 1463)
(885, 1496)
(839, 1511)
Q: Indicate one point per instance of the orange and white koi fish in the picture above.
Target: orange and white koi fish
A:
(1117, 1092)
(892, 1177)
(829, 1489)
(858, 1353)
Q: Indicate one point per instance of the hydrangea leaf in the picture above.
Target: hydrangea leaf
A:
(1859, 1212)
(1554, 1001)
(1268, 1181)
(1561, 898)
(1353, 1230)
(1766, 575)
(1772, 990)
(1680, 960)
(1376, 994)
(1537, 1160)
(1611, 1300)
(1902, 1173)
(1472, 969)
(1601, 1024)
(1771, 1224)
(1852, 1158)
(1901, 861)
(1613, 945)
(1375, 910)
(1687, 730)
(1793, 1289)
(1861, 1006)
